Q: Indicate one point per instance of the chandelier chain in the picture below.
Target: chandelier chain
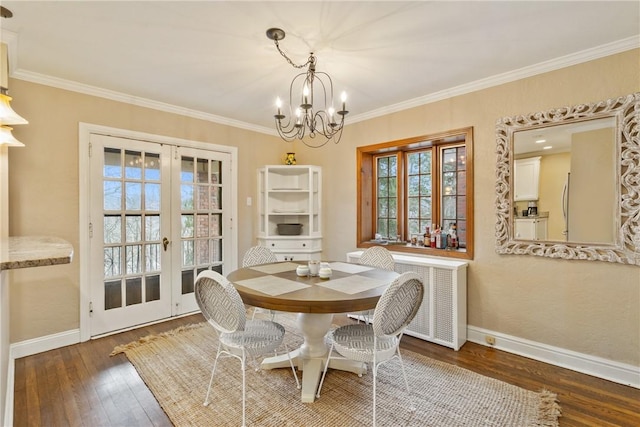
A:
(284, 55)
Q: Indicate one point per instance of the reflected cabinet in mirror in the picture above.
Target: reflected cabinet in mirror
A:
(568, 182)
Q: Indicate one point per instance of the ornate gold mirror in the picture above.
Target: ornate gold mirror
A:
(568, 182)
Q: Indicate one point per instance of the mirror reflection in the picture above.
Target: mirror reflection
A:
(567, 182)
(565, 186)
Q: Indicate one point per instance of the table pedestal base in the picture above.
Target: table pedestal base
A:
(312, 354)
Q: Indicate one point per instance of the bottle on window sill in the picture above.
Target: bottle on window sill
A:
(427, 237)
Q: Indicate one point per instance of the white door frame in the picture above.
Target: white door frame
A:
(85, 130)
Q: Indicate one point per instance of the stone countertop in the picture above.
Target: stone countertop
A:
(34, 251)
(540, 215)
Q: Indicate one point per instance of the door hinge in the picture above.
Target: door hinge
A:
(90, 149)
(90, 309)
(90, 230)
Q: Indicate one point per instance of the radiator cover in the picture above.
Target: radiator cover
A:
(442, 318)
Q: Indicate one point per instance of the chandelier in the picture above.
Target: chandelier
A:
(8, 117)
(311, 104)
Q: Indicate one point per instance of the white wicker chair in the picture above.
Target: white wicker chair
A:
(379, 342)
(257, 255)
(379, 257)
(223, 308)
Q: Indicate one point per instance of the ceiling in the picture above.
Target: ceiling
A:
(212, 59)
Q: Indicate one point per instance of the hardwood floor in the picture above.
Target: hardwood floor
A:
(81, 385)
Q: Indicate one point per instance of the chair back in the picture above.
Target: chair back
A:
(256, 255)
(379, 257)
(220, 302)
(398, 305)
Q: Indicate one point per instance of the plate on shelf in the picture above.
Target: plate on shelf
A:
(288, 211)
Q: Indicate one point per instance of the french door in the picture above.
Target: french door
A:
(156, 221)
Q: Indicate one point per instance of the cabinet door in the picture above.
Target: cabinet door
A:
(525, 229)
(541, 229)
(526, 179)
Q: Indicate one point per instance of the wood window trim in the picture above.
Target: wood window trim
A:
(365, 172)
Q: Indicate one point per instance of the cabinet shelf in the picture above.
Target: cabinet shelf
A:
(290, 195)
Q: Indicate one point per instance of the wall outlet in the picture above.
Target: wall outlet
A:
(491, 340)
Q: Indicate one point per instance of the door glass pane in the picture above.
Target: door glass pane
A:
(112, 195)
(134, 291)
(133, 196)
(152, 288)
(202, 170)
(202, 251)
(216, 220)
(187, 226)
(133, 228)
(152, 227)
(203, 197)
(216, 197)
(133, 165)
(152, 167)
(216, 177)
(112, 261)
(112, 163)
(216, 251)
(112, 294)
(202, 228)
(186, 195)
(187, 282)
(187, 253)
(152, 197)
(112, 229)
(186, 169)
(152, 257)
(133, 255)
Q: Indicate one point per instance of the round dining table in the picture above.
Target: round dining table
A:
(277, 286)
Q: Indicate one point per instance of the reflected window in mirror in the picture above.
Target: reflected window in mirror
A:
(408, 185)
(566, 182)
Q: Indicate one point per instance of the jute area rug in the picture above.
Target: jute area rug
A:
(176, 367)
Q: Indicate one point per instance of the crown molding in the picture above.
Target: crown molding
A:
(543, 67)
(510, 76)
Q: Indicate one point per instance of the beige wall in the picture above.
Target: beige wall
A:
(587, 307)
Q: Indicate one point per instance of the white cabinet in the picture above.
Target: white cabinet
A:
(442, 317)
(290, 195)
(531, 228)
(526, 179)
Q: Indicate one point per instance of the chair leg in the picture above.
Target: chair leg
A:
(293, 368)
(324, 372)
(213, 371)
(244, 399)
(375, 375)
(406, 383)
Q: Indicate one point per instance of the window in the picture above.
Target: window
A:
(408, 185)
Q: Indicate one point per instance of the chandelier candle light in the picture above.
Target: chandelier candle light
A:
(308, 87)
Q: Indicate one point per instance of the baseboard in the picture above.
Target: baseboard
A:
(598, 367)
(46, 343)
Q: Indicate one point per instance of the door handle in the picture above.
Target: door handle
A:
(165, 243)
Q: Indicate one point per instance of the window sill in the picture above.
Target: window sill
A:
(420, 250)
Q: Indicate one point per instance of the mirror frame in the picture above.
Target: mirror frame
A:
(626, 246)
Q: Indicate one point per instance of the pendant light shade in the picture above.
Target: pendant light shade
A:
(7, 115)
(7, 138)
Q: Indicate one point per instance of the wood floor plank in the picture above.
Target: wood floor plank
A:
(107, 391)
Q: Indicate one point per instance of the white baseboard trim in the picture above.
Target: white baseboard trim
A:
(596, 366)
(45, 343)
